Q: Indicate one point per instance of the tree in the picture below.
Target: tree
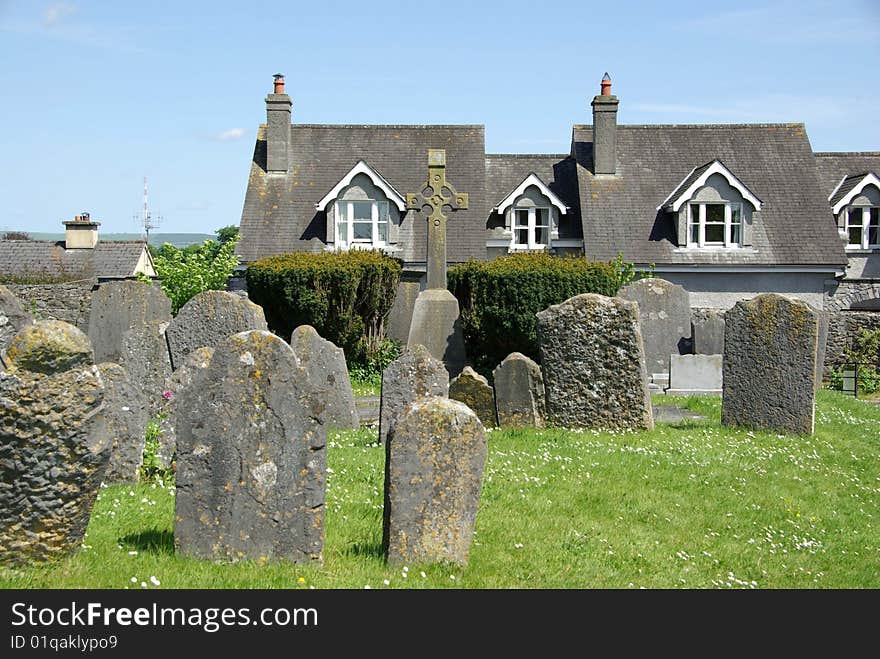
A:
(225, 234)
(184, 273)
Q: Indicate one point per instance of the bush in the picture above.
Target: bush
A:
(345, 296)
(865, 351)
(499, 298)
(184, 273)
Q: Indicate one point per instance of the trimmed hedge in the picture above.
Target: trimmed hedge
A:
(499, 298)
(345, 296)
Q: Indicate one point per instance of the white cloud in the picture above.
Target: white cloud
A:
(231, 134)
(56, 12)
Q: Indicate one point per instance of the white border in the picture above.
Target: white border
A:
(531, 179)
(869, 179)
(378, 180)
(717, 167)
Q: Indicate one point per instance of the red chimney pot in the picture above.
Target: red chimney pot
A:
(279, 83)
(606, 85)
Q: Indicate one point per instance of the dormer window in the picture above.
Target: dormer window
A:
(856, 203)
(863, 227)
(362, 222)
(531, 228)
(531, 215)
(715, 224)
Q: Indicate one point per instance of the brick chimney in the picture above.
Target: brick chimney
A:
(81, 232)
(605, 130)
(277, 127)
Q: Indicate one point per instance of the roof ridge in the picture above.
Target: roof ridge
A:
(483, 126)
(847, 153)
(528, 155)
(789, 124)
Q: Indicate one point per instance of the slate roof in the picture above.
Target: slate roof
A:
(774, 161)
(46, 259)
(279, 213)
(834, 166)
(505, 171)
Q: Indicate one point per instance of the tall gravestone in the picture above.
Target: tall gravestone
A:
(474, 390)
(144, 355)
(54, 446)
(770, 348)
(125, 415)
(415, 374)
(708, 331)
(664, 319)
(119, 306)
(189, 374)
(13, 317)
(519, 392)
(435, 317)
(593, 364)
(208, 319)
(435, 456)
(251, 457)
(328, 374)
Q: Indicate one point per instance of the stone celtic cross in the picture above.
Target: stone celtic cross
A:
(437, 193)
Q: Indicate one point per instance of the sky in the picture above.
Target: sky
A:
(97, 95)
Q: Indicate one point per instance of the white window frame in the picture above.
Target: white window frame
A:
(532, 224)
(865, 213)
(379, 215)
(700, 222)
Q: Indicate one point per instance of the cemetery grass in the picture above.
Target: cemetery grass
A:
(692, 505)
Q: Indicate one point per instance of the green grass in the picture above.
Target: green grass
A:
(694, 505)
(367, 387)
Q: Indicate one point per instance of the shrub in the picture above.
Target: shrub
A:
(345, 296)
(499, 298)
(184, 273)
(865, 351)
(151, 467)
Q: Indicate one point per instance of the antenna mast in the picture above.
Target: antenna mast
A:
(145, 218)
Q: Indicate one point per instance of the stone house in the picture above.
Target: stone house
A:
(726, 211)
(56, 278)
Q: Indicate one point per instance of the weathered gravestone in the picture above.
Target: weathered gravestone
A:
(117, 307)
(664, 319)
(251, 457)
(593, 363)
(519, 392)
(435, 456)
(821, 345)
(188, 374)
(144, 355)
(473, 390)
(708, 331)
(415, 374)
(208, 319)
(770, 345)
(328, 375)
(695, 374)
(54, 447)
(13, 317)
(125, 415)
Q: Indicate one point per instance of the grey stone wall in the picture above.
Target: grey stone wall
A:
(842, 327)
(722, 290)
(69, 302)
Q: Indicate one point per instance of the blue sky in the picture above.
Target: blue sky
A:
(99, 94)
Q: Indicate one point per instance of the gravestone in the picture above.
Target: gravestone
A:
(415, 374)
(664, 319)
(695, 374)
(473, 390)
(519, 392)
(13, 317)
(125, 415)
(208, 319)
(821, 345)
(188, 374)
(119, 306)
(251, 457)
(328, 375)
(435, 317)
(144, 355)
(770, 346)
(435, 456)
(593, 364)
(400, 316)
(54, 447)
(708, 331)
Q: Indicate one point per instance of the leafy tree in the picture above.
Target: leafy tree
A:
(225, 234)
(186, 272)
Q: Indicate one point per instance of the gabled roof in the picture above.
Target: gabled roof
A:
(697, 179)
(849, 188)
(833, 167)
(378, 180)
(774, 161)
(279, 213)
(49, 260)
(531, 179)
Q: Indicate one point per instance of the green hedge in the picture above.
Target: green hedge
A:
(499, 298)
(345, 296)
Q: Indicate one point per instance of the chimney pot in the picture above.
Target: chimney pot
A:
(606, 85)
(279, 83)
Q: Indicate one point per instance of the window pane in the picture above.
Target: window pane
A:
(363, 231)
(383, 232)
(694, 224)
(855, 235)
(521, 236)
(735, 213)
(341, 231)
(694, 234)
(714, 213)
(714, 233)
(521, 218)
(341, 209)
(383, 210)
(542, 235)
(874, 227)
(735, 233)
(363, 210)
(542, 217)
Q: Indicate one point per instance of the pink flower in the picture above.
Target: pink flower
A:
(166, 395)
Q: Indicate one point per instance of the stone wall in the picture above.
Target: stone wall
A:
(68, 301)
(843, 326)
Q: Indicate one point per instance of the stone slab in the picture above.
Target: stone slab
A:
(437, 326)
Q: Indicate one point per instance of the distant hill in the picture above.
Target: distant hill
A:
(157, 239)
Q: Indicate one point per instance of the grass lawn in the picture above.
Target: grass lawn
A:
(372, 387)
(693, 505)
